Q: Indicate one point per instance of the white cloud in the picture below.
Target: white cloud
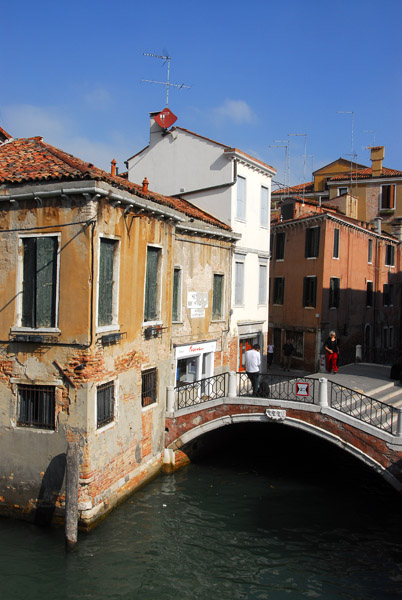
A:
(98, 99)
(235, 110)
(62, 131)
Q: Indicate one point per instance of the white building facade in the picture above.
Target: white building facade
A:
(235, 188)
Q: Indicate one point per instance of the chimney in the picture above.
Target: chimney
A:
(377, 156)
(145, 184)
(377, 224)
(156, 131)
(113, 169)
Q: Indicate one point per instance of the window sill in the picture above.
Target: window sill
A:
(312, 257)
(39, 330)
(107, 328)
(36, 429)
(149, 407)
(220, 320)
(151, 323)
(105, 427)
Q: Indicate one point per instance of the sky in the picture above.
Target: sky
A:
(310, 79)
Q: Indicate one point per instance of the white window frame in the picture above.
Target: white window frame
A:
(116, 286)
(240, 259)
(241, 203)
(19, 292)
(343, 187)
(262, 285)
(264, 207)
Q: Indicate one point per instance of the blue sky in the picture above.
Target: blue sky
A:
(258, 70)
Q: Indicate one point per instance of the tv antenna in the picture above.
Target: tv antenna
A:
(278, 144)
(167, 83)
(304, 157)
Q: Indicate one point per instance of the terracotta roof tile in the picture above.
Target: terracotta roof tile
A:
(32, 160)
(366, 173)
(295, 189)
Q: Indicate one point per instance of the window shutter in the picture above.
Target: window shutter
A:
(29, 283)
(150, 311)
(105, 291)
(46, 281)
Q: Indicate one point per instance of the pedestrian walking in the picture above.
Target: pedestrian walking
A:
(270, 355)
(288, 350)
(331, 353)
(253, 363)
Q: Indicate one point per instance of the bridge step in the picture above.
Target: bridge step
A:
(390, 393)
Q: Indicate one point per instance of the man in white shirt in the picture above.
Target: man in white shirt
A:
(253, 362)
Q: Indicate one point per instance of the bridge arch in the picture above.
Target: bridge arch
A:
(308, 427)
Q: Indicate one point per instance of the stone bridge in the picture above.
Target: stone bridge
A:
(367, 428)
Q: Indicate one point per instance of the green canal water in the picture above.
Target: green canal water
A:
(268, 513)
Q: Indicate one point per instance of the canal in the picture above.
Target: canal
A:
(263, 512)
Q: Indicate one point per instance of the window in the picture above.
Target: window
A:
(309, 292)
(108, 282)
(264, 211)
(335, 252)
(176, 307)
(312, 242)
(280, 246)
(36, 406)
(104, 404)
(149, 387)
(387, 197)
(241, 198)
(388, 294)
(262, 281)
(370, 251)
(342, 191)
(152, 279)
(239, 279)
(389, 255)
(217, 300)
(39, 282)
(388, 337)
(279, 290)
(369, 294)
(334, 292)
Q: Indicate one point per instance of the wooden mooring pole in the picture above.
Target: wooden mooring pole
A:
(72, 481)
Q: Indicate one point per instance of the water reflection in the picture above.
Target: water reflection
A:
(264, 515)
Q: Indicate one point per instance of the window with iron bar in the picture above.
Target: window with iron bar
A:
(105, 404)
(149, 387)
(36, 406)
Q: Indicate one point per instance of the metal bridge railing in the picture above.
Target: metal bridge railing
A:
(281, 387)
(201, 391)
(362, 407)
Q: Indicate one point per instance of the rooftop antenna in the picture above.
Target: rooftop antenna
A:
(370, 131)
(167, 83)
(304, 158)
(353, 154)
(286, 146)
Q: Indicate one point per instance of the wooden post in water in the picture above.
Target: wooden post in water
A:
(72, 481)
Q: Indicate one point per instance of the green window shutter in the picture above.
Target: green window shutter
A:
(151, 285)
(176, 288)
(29, 283)
(105, 291)
(217, 297)
(46, 264)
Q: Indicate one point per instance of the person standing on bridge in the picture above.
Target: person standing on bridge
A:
(332, 353)
(253, 363)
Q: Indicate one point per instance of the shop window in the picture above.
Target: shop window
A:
(149, 387)
(312, 242)
(187, 369)
(39, 282)
(36, 406)
(105, 404)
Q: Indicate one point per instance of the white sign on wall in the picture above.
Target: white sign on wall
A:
(193, 349)
(197, 300)
(197, 313)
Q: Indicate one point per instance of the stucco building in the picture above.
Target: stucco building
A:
(329, 271)
(235, 188)
(110, 294)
